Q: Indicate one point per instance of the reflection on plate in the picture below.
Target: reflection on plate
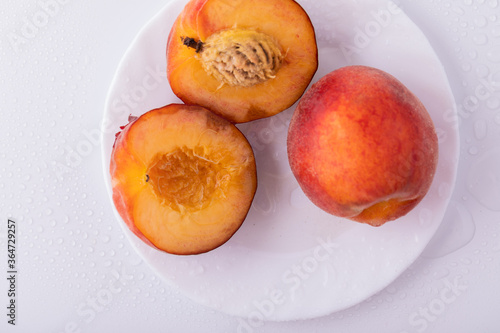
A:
(290, 260)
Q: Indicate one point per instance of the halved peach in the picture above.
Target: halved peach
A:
(242, 59)
(183, 178)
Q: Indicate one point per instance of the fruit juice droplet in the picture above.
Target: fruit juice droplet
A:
(483, 180)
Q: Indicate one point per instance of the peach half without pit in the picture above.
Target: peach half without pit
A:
(241, 59)
(183, 178)
(362, 146)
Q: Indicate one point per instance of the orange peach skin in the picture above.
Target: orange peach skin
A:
(284, 20)
(362, 146)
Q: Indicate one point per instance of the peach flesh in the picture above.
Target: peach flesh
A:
(262, 88)
(183, 178)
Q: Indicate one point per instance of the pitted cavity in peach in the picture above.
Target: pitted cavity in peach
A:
(185, 180)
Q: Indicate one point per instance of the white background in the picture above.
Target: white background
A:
(77, 271)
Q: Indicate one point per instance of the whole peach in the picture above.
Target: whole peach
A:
(362, 146)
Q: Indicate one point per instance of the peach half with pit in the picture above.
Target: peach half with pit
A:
(242, 59)
(362, 146)
(183, 178)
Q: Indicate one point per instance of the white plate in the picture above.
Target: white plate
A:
(290, 260)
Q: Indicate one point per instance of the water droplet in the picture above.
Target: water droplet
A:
(444, 189)
(466, 261)
(459, 10)
(298, 198)
(497, 118)
(473, 54)
(480, 129)
(480, 39)
(493, 103)
(473, 150)
(198, 270)
(424, 216)
(456, 230)
(493, 54)
(482, 71)
(483, 180)
(391, 290)
(481, 21)
(495, 32)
